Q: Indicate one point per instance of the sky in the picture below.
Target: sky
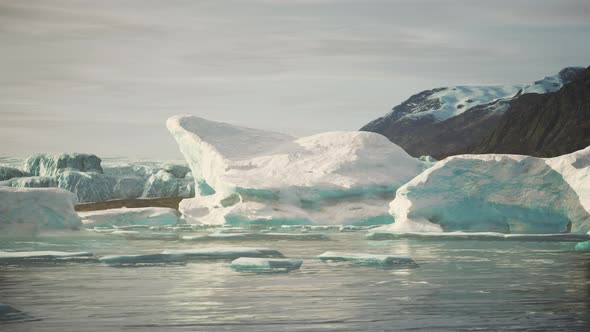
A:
(103, 76)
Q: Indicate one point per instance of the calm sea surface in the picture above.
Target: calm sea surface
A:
(458, 286)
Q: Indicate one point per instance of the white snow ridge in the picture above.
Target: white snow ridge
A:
(248, 176)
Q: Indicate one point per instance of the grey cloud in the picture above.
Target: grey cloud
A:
(114, 70)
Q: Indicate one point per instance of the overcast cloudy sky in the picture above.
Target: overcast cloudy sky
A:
(103, 76)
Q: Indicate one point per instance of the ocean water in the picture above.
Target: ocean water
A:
(458, 286)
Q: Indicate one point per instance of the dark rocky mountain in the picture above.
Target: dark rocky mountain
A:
(544, 125)
(453, 120)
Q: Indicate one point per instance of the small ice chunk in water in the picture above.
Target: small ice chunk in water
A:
(10, 314)
(142, 259)
(481, 236)
(180, 256)
(366, 259)
(256, 236)
(559, 237)
(135, 235)
(227, 252)
(583, 246)
(41, 255)
(265, 265)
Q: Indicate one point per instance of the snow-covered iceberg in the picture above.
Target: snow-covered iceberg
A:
(366, 259)
(33, 182)
(88, 186)
(498, 193)
(249, 176)
(53, 164)
(7, 173)
(151, 216)
(265, 265)
(87, 177)
(26, 211)
(165, 184)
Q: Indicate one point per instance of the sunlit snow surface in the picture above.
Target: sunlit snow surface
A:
(458, 285)
(248, 176)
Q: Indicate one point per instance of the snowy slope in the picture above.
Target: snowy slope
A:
(453, 120)
(446, 102)
(254, 176)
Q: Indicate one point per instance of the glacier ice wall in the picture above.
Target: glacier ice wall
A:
(250, 176)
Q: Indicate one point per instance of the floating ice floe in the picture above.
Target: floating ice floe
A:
(14, 256)
(227, 252)
(257, 236)
(26, 211)
(497, 193)
(148, 216)
(181, 256)
(366, 259)
(10, 314)
(137, 235)
(246, 176)
(480, 236)
(265, 265)
(583, 246)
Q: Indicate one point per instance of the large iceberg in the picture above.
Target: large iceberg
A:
(26, 211)
(52, 165)
(248, 176)
(33, 182)
(498, 193)
(165, 184)
(7, 173)
(87, 177)
(89, 186)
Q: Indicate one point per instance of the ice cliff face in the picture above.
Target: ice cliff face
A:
(26, 211)
(246, 176)
(495, 192)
